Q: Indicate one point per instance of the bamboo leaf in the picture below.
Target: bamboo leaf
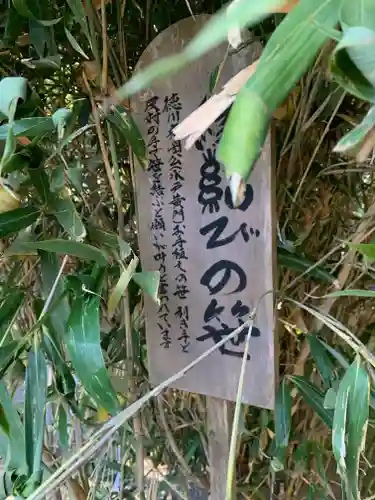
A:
(353, 293)
(28, 127)
(62, 426)
(11, 89)
(66, 247)
(14, 456)
(27, 10)
(83, 345)
(358, 13)
(352, 141)
(148, 281)
(339, 428)
(128, 129)
(353, 63)
(313, 397)
(121, 286)
(322, 361)
(73, 42)
(283, 419)
(288, 54)
(302, 265)
(357, 416)
(15, 220)
(79, 16)
(65, 212)
(241, 14)
(35, 405)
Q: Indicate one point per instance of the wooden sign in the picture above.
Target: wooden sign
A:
(215, 261)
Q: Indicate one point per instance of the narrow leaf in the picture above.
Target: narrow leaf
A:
(83, 346)
(148, 281)
(242, 13)
(288, 54)
(313, 397)
(74, 248)
(121, 286)
(65, 212)
(322, 361)
(283, 419)
(73, 42)
(35, 405)
(14, 456)
(15, 220)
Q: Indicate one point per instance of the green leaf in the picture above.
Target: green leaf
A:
(357, 415)
(13, 28)
(313, 397)
(57, 179)
(289, 52)
(353, 63)
(65, 212)
(148, 281)
(29, 127)
(242, 13)
(339, 428)
(358, 13)
(35, 405)
(121, 286)
(11, 89)
(302, 265)
(9, 307)
(73, 42)
(8, 353)
(368, 250)
(353, 140)
(283, 420)
(322, 361)
(128, 129)
(353, 293)
(79, 15)
(23, 8)
(60, 120)
(74, 248)
(15, 220)
(62, 426)
(109, 240)
(14, 456)
(83, 345)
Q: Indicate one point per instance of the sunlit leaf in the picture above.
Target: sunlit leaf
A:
(366, 249)
(121, 285)
(28, 127)
(339, 428)
(358, 13)
(243, 13)
(353, 293)
(287, 55)
(149, 281)
(14, 220)
(83, 345)
(74, 248)
(35, 407)
(353, 140)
